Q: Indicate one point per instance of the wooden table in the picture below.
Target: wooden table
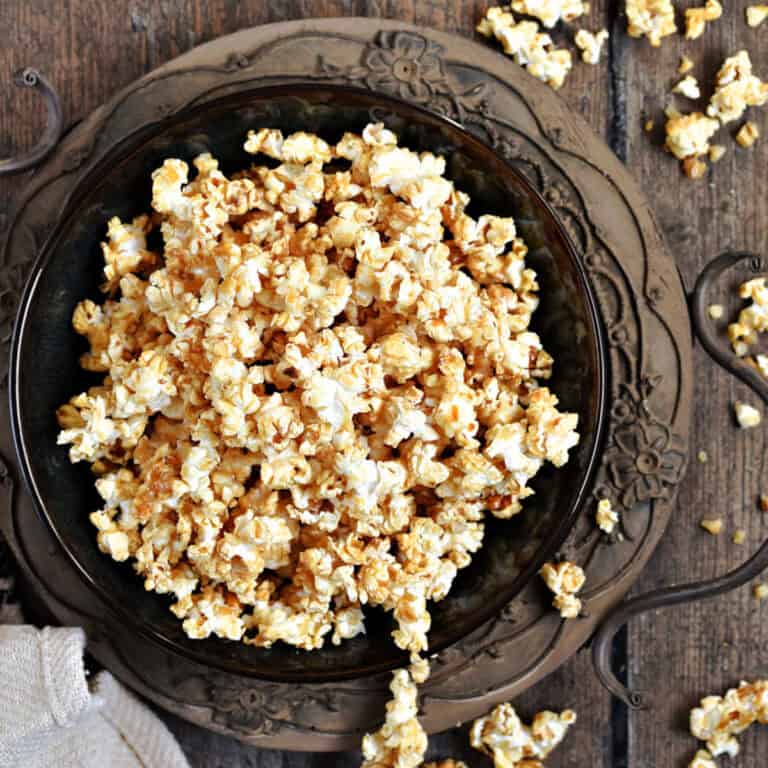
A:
(90, 48)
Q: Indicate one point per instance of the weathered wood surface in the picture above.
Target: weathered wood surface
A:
(90, 48)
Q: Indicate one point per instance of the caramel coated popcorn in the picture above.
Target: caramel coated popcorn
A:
(564, 581)
(312, 396)
(736, 88)
(696, 19)
(719, 719)
(591, 44)
(511, 744)
(654, 19)
(528, 46)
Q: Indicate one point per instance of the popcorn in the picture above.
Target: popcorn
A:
(529, 47)
(688, 138)
(688, 87)
(756, 15)
(739, 536)
(564, 581)
(716, 153)
(702, 759)
(590, 44)
(685, 66)
(712, 526)
(654, 19)
(715, 311)
(511, 744)
(697, 18)
(719, 719)
(746, 415)
(736, 88)
(606, 516)
(760, 591)
(753, 318)
(549, 12)
(748, 134)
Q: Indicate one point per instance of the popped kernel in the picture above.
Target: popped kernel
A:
(756, 15)
(654, 19)
(688, 87)
(311, 397)
(550, 12)
(753, 319)
(748, 134)
(719, 719)
(696, 19)
(606, 516)
(713, 525)
(512, 744)
(702, 759)
(715, 154)
(591, 44)
(688, 139)
(564, 580)
(746, 415)
(736, 88)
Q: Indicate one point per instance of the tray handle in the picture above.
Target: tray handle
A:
(31, 78)
(720, 351)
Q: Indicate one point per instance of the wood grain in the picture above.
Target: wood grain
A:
(91, 48)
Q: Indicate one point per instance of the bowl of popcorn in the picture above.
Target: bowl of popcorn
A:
(307, 380)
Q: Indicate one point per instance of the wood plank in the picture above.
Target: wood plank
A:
(686, 653)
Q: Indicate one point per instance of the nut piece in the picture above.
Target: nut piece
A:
(756, 15)
(736, 88)
(606, 516)
(653, 19)
(713, 526)
(688, 87)
(590, 44)
(746, 415)
(564, 581)
(718, 719)
(760, 591)
(502, 736)
(697, 18)
(715, 311)
(702, 759)
(685, 66)
(739, 536)
(748, 134)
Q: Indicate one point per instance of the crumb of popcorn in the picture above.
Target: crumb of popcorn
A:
(511, 744)
(746, 415)
(702, 759)
(685, 65)
(550, 12)
(654, 19)
(756, 15)
(736, 88)
(688, 139)
(590, 44)
(748, 134)
(401, 741)
(760, 591)
(696, 19)
(753, 319)
(719, 719)
(688, 87)
(703, 457)
(649, 125)
(739, 536)
(715, 311)
(528, 46)
(312, 399)
(713, 526)
(564, 580)
(606, 516)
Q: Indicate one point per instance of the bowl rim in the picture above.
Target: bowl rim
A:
(120, 151)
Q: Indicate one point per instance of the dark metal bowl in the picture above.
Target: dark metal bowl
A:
(45, 371)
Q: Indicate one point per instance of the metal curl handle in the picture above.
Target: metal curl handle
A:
(721, 353)
(31, 78)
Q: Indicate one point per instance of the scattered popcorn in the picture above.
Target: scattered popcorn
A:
(688, 139)
(739, 536)
(702, 759)
(311, 398)
(590, 44)
(718, 720)
(748, 134)
(756, 15)
(606, 516)
(688, 87)
(736, 88)
(697, 18)
(653, 19)
(685, 66)
(564, 581)
(753, 319)
(549, 12)
(746, 415)
(401, 741)
(713, 526)
(528, 46)
(511, 744)
(760, 591)
(703, 457)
